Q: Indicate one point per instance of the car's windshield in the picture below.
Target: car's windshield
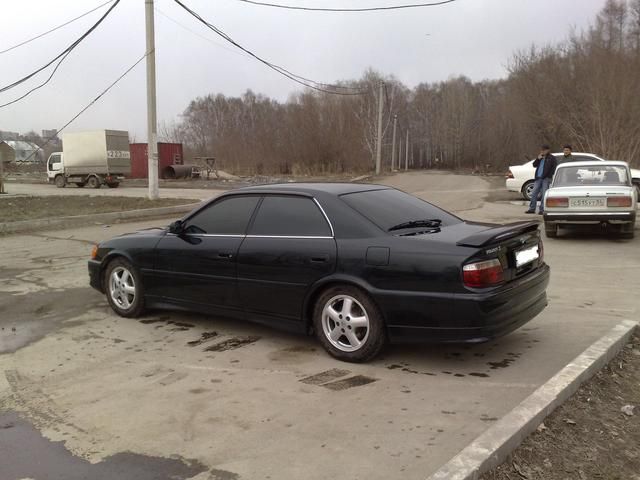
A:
(591, 175)
(390, 208)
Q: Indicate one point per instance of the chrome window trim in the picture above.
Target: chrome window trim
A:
(314, 237)
(333, 233)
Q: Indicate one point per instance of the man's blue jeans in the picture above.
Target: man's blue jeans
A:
(539, 188)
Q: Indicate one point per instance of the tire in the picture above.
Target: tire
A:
(123, 288)
(527, 189)
(628, 230)
(550, 229)
(80, 184)
(113, 184)
(60, 181)
(93, 182)
(341, 306)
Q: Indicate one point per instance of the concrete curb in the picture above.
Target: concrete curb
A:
(87, 220)
(493, 447)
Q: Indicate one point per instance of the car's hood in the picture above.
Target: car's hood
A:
(590, 191)
(146, 232)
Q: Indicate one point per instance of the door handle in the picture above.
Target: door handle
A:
(225, 255)
(320, 258)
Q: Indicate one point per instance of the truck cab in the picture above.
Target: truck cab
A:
(55, 169)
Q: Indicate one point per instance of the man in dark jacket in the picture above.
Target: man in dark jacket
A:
(545, 166)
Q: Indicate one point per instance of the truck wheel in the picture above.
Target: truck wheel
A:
(93, 182)
(60, 181)
(113, 184)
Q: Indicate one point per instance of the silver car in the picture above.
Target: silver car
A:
(597, 192)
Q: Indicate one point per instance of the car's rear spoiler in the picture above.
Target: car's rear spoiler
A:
(498, 234)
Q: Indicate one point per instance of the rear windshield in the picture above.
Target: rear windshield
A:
(387, 208)
(591, 175)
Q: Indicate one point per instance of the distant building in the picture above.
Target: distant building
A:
(18, 151)
(47, 134)
(8, 135)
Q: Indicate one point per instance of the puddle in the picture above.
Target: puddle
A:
(22, 443)
(28, 318)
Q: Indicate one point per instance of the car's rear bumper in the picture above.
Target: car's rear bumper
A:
(589, 217)
(514, 184)
(95, 277)
(477, 317)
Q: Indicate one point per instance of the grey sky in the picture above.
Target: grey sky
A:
(471, 37)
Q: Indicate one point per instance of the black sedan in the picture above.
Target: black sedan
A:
(358, 265)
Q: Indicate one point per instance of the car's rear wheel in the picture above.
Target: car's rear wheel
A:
(348, 324)
(123, 288)
(627, 230)
(527, 189)
(551, 229)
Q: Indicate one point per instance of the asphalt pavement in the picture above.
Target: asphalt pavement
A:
(226, 399)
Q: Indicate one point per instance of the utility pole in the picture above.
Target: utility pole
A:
(406, 153)
(379, 139)
(393, 144)
(152, 135)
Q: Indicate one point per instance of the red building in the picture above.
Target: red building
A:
(168, 154)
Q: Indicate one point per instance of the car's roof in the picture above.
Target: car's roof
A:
(578, 153)
(305, 188)
(604, 163)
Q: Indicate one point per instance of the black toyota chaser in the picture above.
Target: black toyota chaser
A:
(358, 265)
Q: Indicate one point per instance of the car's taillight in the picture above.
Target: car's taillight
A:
(509, 174)
(557, 202)
(483, 274)
(619, 202)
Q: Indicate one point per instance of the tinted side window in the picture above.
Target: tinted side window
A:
(229, 216)
(290, 216)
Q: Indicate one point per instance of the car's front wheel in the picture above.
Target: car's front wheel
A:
(527, 190)
(123, 288)
(348, 324)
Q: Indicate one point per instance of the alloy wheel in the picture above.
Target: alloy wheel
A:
(122, 288)
(345, 323)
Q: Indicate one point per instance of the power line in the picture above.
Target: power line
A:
(55, 28)
(193, 32)
(39, 86)
(363, 9)
(322, 87)
(85, 108)
(64, 53)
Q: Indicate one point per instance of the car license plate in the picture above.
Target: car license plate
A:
(587, 202)
(527, 255)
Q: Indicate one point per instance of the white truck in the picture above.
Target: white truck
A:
(91, 158)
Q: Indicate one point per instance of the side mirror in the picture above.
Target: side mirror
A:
(176, 227)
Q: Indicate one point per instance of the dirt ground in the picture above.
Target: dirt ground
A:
(13, 209)
(589, 437)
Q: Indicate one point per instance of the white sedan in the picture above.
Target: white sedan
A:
(598, 192)
(520, 178)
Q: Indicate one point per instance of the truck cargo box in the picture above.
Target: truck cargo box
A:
(103, 152)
